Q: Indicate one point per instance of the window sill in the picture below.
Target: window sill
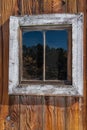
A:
(45, 90)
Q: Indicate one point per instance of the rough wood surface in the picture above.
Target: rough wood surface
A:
(6, 11)
(70, 113)
(0, 54)
(31, 113)
(71, 6)
(48, 114)
(60, 113)
(82, 6)
(1, 117)
(80, 104)
(13, 118)
(42, 6)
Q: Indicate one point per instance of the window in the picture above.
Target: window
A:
(46, 55)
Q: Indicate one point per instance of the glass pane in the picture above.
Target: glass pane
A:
(56, 54)
(32, 54)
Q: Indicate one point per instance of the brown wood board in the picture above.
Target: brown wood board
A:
(62, 113)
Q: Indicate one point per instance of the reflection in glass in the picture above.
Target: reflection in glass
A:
(32, 54)
(50, 64)
(56, 55)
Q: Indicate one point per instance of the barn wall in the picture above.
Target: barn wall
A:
(38, 112)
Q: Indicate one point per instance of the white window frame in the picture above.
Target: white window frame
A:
(76, 89)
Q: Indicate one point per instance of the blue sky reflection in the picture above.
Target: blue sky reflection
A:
(54, 38)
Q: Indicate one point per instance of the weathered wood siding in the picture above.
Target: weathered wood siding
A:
(39, 112)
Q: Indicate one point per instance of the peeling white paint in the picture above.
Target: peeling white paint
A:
(76, 89)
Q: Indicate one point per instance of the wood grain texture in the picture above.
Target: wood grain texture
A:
(69, 113)
(48, 113)
(12, 120)
(7, 8)
(52, 6)
(17, 7)
(4, 90)
(70, 101)
(0, 53)
(72, 113)
(71, 6)
(79, 6)
(31, 113)
(42, 6)
(60, 113)
(82, 116)
(82, 5)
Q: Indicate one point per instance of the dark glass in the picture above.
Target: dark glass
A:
(56, 54)
(32, 54)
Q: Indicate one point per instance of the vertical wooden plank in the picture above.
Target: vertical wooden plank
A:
(7, 8)
(4, 94)
(72, 103)
(5, 36)
(41, 9)
(31, 113)
(1, 118)
(60, 109)
(3, 97)
(64, 6)
(82, 5)
(71, 6)
(0, 67)
(47, 6)
(82, 121)
(42, 6)
(27, 7)
(48, 115)
(32, 7)
(56, 6)
(54, 113)
(10, 7)
(53, 6)
(16, 7)
(12, 120)
(72, 113)
(0, 54)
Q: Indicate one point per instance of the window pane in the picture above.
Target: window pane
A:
(32, 53)
(56, 54)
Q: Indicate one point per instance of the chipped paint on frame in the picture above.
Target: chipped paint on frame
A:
(76, 89)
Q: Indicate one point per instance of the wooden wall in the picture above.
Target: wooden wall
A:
(37, 112)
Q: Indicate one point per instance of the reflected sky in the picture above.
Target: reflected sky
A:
(54, 38)
(32, 38)
(57, 39)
